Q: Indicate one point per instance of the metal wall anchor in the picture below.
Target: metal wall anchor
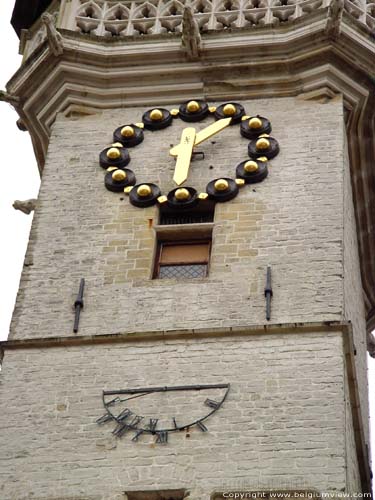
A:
(268, 293)
(78, 305)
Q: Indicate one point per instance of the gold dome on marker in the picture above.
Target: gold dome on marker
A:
(156, 115)
(113, 153)
(127, 131)
(174, 112)
(262, 143)
(203, 196)
(144, 190)
(181, 194)
(229, 109)
(119, 175)
(251, 166)
(162, 199)
(221, 185)
(255, 123)
(262, 158)
(193, 106)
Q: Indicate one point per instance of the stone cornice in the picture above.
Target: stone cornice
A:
(246, 330)
(298, 58)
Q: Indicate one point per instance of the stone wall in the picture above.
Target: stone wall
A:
(282, 424)
(285, 420)
(354, 309)
(292, 221)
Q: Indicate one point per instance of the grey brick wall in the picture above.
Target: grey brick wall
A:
(282, 423)
(293, 221)
(354, 309)
(285, 422)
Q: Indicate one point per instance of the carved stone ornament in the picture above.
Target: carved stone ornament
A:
(191, 38)
(54, 38)
(26, 206)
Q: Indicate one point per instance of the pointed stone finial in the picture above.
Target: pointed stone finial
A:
(54, 38)
(191, 38)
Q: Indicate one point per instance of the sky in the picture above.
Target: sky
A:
(20, 181)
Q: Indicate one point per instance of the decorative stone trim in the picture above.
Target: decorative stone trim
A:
(140, 18)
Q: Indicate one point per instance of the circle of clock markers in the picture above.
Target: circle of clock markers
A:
(261, 148)
(129, 422)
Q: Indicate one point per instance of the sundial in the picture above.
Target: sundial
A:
(180, 414)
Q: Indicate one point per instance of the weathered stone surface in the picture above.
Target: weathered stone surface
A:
(282, 423)
(287, 421)
(293, 221)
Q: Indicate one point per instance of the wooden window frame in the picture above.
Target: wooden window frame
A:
(204, 261)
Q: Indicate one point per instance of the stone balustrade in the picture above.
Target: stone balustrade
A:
(114, 18)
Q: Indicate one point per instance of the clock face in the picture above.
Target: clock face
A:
(159, 411)
(188, 150)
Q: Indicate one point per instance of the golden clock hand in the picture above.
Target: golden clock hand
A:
(204, 134)
(185, 150)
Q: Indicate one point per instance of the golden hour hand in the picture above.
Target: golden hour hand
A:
(185, 150)
(204, 134)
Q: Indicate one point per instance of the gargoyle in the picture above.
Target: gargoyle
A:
(26, 206)
(9, 98)
(191, 38)
(55, 40)
(333, 26)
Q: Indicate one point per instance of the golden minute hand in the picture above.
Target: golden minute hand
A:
(204, 134)
(185, 150)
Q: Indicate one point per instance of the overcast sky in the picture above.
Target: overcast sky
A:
(20, 180)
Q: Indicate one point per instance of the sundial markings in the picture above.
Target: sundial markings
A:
(202, 427)
(124, 414)
(162, 437)
(114, 401)
(123, 427)
(211, 403)
(105, 418)
(120, 430)
(153, 423)
(136, 420)
(125, 424)
(137, 434)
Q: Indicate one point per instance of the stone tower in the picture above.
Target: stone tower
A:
(224, 316)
